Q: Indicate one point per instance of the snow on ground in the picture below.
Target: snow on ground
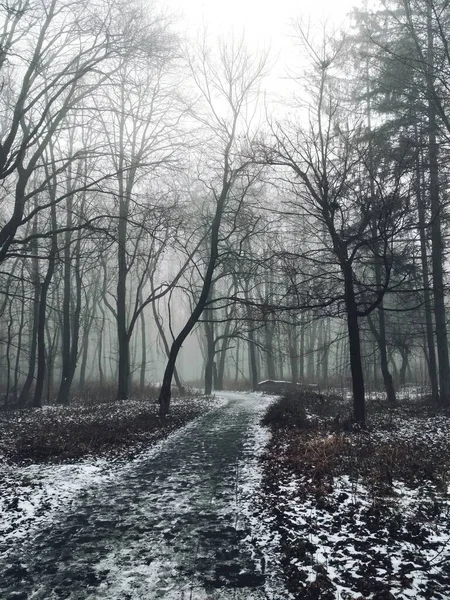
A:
(31, 495)
(337, 541)
(176, 522)
(366, 514)
(262, 537)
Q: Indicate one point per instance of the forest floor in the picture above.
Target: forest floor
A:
(254, 498)
(360, 514)
(47, 455)
(175, 521)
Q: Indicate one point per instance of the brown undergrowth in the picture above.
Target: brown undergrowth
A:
(359, 514)
(89, 429)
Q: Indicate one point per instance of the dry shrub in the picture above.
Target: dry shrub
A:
(288, 411)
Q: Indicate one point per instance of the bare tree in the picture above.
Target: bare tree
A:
(227, 86)
(331, 189)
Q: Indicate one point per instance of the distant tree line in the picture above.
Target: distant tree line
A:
(146, 184)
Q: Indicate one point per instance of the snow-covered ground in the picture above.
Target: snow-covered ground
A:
(199, 516)
(32, 496)
(367, 514)
(338, 543)
(179, 521)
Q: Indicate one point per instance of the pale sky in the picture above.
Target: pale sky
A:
(264, 20)
(265, 23)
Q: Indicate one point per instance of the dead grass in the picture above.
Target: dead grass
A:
(307, 458)
(67, 433)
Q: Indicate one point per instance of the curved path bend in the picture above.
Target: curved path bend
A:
(173, 524)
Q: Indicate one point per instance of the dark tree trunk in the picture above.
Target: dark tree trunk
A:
(165, 392)
(73, 334)
(41, 347)
(293, 352)
(270, 359)
(236, 372)
(19, 343)
(100, 348)
(143, 351)
(8, 356)
(253, 367)
(280, 355)
(35, 320)
(431, 353)
(33, 350)
(359, 403)
(326, 352)
(84, 360)
(52, 340)
(311, 351)
(210, 355)
(66, 316)
(252, 360)
(302, 346)
(436, 233)
(122, 333)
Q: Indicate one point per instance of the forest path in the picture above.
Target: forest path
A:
(172, 524)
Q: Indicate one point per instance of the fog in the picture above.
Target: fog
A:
(215, 194)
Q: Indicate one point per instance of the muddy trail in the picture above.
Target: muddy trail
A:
(172, 524)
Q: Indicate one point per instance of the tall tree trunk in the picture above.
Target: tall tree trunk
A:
(210, 355)
(100, 347)
(270, 354)
(143, 351)
(71, 323)
(431, 353)
(252, 362)
(436, 234)
(35, 319)
(210, 344)
(302, 346)
(122, 333)
(52, 341)
(84, 361)
(9, 355)
(319, 352)
(66, 319)
(326, 351)
(293, 352)
(41, 346)
(280, 353)
(311, 351)
(19, 340)
(359, 403)
(236, 372)
(165, 392)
